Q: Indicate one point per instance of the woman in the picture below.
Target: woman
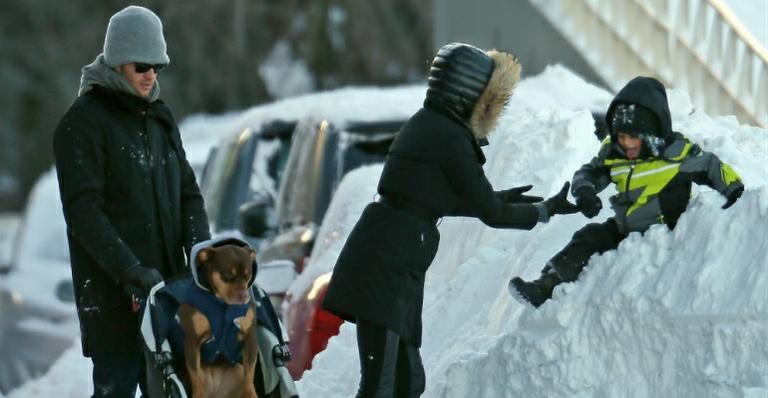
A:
(434, 169)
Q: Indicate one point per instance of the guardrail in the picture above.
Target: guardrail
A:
(695, 45)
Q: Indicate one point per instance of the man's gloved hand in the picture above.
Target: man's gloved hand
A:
(588, 202)
(515, 195)
(735, 195)
(141, 277)
(559, 203)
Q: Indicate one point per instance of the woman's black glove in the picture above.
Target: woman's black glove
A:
(588, 202)
(734, 195)
(559, 203)
(515, 195)
(141, 277)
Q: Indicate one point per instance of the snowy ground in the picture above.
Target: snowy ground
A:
(682, 313)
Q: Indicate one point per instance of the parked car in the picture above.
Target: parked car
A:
(246, 168)
(321, 154)
(38, 317)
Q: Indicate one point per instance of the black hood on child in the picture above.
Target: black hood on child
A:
(649, 93)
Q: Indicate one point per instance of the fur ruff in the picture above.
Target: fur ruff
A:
(506, 73)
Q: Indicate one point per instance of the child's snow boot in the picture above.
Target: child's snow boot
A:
(536, 292)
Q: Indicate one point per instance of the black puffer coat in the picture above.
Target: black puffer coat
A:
(129, 197)
(380, 272)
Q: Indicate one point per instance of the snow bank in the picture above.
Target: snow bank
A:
(679, 313)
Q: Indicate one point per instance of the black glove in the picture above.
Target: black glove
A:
(559, 203)
(588, 202)
(734, 195)
(515, 195)
(142, 277)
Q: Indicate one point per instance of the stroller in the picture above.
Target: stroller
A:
(161, 335)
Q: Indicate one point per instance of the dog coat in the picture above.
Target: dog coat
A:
(223, 341)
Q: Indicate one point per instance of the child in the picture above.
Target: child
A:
(652, 168)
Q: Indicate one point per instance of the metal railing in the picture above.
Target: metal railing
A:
(695, 45)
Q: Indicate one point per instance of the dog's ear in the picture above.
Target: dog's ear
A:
(204, 255)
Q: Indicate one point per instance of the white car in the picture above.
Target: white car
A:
(39, 318)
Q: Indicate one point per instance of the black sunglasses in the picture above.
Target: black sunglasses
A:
(140, 67)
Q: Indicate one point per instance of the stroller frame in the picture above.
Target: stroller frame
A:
(158, 323)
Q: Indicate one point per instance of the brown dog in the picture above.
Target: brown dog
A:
(228, 271)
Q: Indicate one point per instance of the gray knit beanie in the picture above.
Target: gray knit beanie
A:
(135, 34)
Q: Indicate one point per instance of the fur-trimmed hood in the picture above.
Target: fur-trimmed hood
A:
(486, 112)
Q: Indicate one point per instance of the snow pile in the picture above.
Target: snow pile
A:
(679, 313)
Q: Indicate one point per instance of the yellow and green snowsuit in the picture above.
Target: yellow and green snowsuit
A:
(650, 189)
(654, 190)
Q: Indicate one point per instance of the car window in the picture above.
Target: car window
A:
(235, 182)
(205, 175)
(303, 173)
(221, 171)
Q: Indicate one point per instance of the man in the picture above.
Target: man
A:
(652, 167)
(433, 169)
(132, 205)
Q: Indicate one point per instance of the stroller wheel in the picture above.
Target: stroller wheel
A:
(174, 388)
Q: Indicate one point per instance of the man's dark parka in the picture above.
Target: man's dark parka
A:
(129, 198)
(434, 165)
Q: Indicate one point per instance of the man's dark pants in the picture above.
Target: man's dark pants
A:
(116, 374)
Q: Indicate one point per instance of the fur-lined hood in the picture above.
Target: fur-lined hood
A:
(486, 112)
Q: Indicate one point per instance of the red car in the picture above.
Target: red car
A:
(309, 326)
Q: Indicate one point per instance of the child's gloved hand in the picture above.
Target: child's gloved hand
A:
(734, 195)
(559, 203)
(515, 195)
(588, 202)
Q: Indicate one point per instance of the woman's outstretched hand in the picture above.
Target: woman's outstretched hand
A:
(516, 195)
